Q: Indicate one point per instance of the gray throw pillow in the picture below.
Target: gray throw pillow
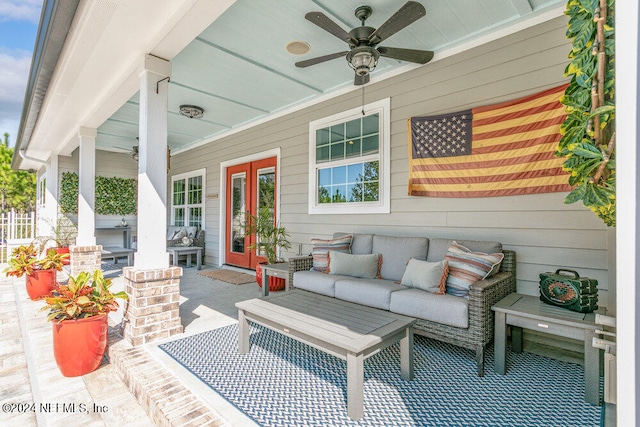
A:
(365, 266)
(428, 276)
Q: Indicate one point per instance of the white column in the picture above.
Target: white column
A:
(152, 165)
(628, 215)
(87, 187)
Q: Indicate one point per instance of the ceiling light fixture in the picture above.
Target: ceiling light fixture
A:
(191, 111)
(363, 59)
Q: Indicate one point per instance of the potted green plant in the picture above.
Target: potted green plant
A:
(41, 274)
(79, 315)
(269, 238)
(65, 233)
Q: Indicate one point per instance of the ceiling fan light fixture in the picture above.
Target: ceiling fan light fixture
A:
(363, 59)
(191, 111)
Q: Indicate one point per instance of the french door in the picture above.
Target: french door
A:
(250, 186)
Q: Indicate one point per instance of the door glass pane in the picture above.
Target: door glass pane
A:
(238, 209)
(266, 194)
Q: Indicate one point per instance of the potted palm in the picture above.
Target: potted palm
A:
(65, 233)
(270, 237)
(79, 314)
(41, 274)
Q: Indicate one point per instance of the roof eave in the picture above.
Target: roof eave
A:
(55, 22)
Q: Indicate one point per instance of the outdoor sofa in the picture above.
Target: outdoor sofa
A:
(465, 321)
(176, 233)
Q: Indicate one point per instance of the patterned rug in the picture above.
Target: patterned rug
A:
(229, 276)
(282, 382)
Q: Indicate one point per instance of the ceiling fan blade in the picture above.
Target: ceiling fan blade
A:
(361, 80)
(411, 55)
(406, 15)
(322, 21)
(319, 59)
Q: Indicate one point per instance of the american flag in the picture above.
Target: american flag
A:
(498, 150)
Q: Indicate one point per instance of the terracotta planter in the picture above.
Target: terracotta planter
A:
(62, 251)
(79, 345)
(275, 283)
(40, 283)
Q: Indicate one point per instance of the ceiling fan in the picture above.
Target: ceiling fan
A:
(133, 151)
(363, 54)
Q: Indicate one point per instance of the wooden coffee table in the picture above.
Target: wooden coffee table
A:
(349, 331)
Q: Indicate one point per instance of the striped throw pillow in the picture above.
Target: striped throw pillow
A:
(322, 247)
(467, 267)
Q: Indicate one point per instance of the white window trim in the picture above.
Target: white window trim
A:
(383, 108)
(200, 172)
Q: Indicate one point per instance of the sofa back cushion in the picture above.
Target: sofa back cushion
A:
(361, 244)
(396, 253)
(438, 247)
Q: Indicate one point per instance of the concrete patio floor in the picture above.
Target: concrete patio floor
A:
(136, 386)
(34, 393)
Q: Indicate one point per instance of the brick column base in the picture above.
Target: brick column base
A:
(153, 309)
(85, 258)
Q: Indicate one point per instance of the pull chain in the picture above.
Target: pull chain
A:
(363, 100)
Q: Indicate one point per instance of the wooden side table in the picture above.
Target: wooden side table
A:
(524, 311)
(176, 251)
(280, 270)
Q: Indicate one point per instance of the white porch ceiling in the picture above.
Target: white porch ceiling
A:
(239, 71)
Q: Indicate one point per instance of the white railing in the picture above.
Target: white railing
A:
(15, 229)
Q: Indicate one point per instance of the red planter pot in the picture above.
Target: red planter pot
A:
(63, 251)
(275, 283)
(40, 283)
(79, 345)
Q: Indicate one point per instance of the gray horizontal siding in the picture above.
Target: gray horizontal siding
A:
(545, 233)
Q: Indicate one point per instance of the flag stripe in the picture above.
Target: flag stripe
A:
(481, 133)
(491, 193)
(488, 178)
(548, 96)
(498, 167)
(546, 110)
(490, 185)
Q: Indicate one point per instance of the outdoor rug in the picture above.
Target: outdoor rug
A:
(229, 276)
(282, 382)
(111, 270)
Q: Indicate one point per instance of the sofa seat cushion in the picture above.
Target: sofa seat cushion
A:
(370, 292)
(444, 309)
(396, 253)
(317, 282)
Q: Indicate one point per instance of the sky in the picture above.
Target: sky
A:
(18, 26)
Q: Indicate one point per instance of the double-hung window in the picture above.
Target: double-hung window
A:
(187, 199)
(349, 161)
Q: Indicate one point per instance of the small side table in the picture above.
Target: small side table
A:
(525, 311)
(176, 251)
(280, 270)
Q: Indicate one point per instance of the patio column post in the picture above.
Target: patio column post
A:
(153, 309)
(87, 187)
(85, 254)
(152, 165)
